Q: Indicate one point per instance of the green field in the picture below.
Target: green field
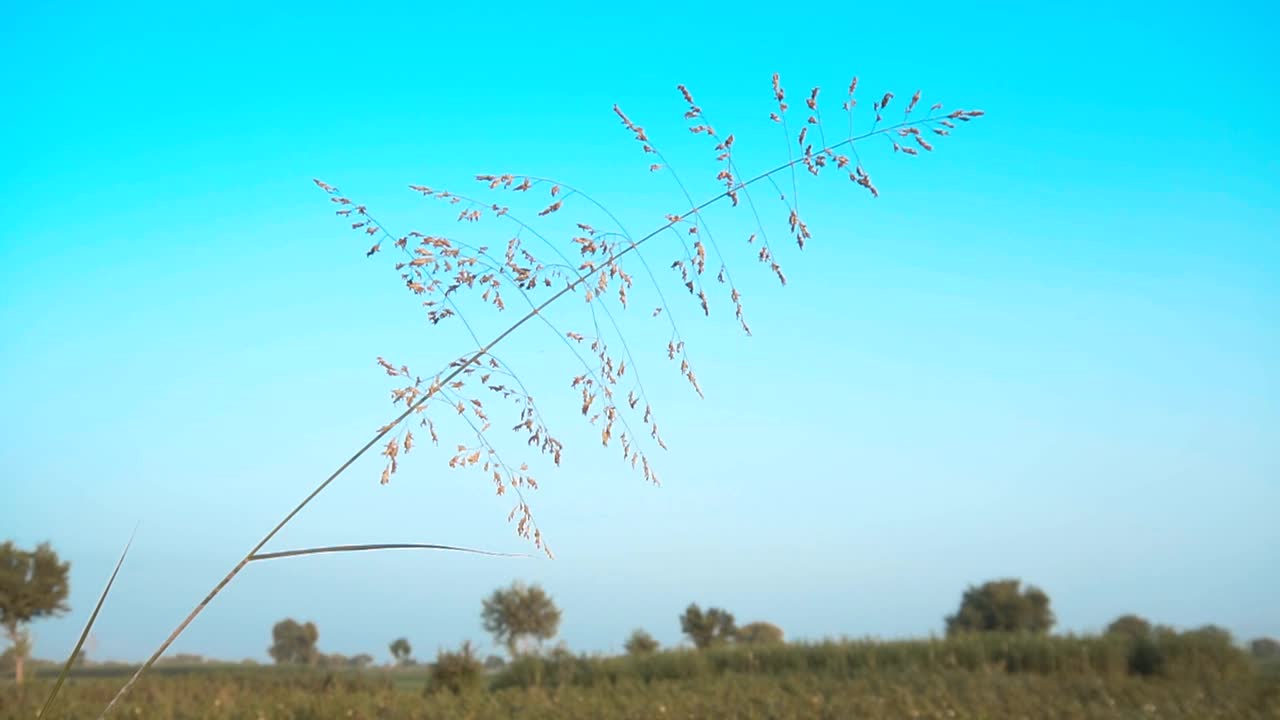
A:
(981, 677)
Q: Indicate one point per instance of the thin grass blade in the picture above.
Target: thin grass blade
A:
(378, 546)
(84, 634)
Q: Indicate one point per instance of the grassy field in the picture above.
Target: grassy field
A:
(954, 694)
(990, 677)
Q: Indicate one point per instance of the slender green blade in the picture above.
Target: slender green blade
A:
(378, 546)
(84, 635)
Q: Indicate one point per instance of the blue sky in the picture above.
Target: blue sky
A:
(1050, 350)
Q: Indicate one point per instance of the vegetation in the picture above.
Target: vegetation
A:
(401, 651)
(338, 660)
(1185, 656)
(963, 678)
(1130, 626)
(294, 643)
(1214, 634)
(640, 642)
(520, 613)
(1002, 606)
(33, 584)
(707, 629)
(1265, 648)
(759, 633)
(456, 672)
(1134, 669)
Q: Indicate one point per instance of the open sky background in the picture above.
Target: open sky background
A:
(1050, 350)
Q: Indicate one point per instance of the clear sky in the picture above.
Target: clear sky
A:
(1049, 350)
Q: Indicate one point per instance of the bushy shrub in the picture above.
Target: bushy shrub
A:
(1206, 652)
(759, 633)
(640, 643)
(456, 672)
(1129, 626)
(1265, 648)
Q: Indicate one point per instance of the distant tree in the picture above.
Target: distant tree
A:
(401, 651)
(494, 663)
(713, 627)
(1265, 648)
(33, 585)
(1129, 626)
(759, 633)
(1001, 606)
(640, 643)
(294, 643)
(520, 612)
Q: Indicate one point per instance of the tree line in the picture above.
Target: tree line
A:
(521, 618)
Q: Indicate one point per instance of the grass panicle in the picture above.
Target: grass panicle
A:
(455, 280)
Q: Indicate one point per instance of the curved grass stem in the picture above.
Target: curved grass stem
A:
(458, 369)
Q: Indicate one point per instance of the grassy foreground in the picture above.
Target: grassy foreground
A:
(949, 695)
(971, 678)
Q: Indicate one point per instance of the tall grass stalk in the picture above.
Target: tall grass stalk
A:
(601, 253)
(84, 634)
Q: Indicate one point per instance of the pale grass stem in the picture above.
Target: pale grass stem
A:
(473, 360)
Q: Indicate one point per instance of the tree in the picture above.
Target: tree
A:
(33, 585)
(1129, 626)
(713, 627)
(294, 643)
(401, 651)
(759, 633)
(1001, 606)
(640, 643)
(1265, 648)
(520, 612)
